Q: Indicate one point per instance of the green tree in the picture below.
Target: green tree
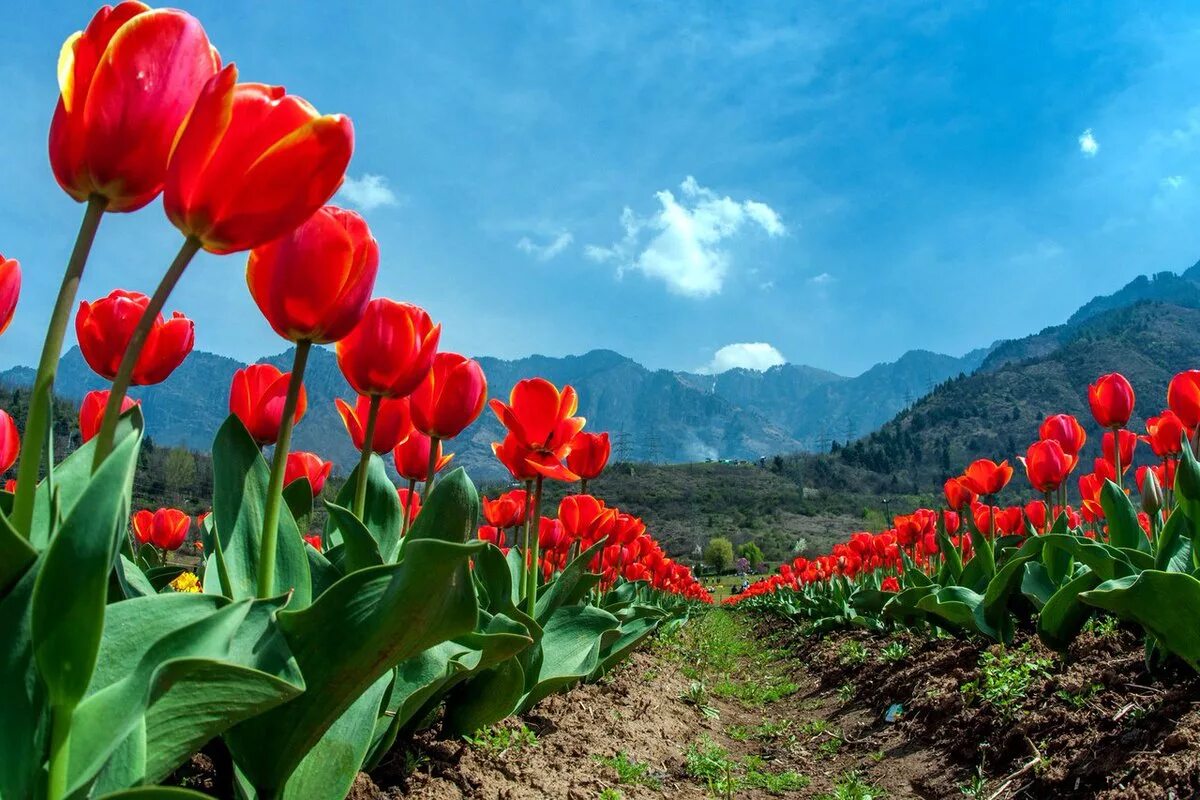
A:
(719, 553)
(752, 553)
(179, 471)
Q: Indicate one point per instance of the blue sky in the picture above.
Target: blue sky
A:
(837, 184)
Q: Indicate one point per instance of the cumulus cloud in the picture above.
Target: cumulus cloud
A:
(1088, 144)
(367, 192)
(547, 251)
(758, 356)
(681, 244)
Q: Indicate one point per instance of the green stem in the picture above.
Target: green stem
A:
(583, 485)
(531, 579)
(429, 473)
(270, 531)
(38, 420)
(525, 541)
(360, 492)
(1116, 432)
(60, 746)
(112, 410)
(412, 487)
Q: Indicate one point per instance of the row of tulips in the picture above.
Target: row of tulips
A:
(306, 654)
(977, 567)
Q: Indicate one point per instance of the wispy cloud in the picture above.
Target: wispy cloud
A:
(1173, 182)
(824, 279)
(547, 251)
(681, 244)
(367, 192)
(757, 356)
(1088, 144)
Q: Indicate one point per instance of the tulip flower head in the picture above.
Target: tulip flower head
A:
(1066, 430)
(301, 464)
(1128, 441)
(91, 412)
(589, 454)
(507, 510)
(166, 528)
(10, 442)
(1111, 398)
(450, 397)
(1164, 434)
(1183, 396)
(256, 397)
(391, 349)
(1047, 465)
(105, 326)
(985, 477)
(540, 419)
(412, 457)
(393, 425)
(410, 504)
(314, 283)
(10, 290)
(127, 82)
(958, 496)
(252, 163)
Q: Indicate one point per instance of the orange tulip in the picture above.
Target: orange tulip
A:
(507, 510)
(1111, 398)
(10, 441)
(256, 397)
(1183, 396)
(10, 290)
(307, 465)
(105, 327)
(166, 528)
(1089, 493)
(391, 349)
(392, 424)
(957, 495)
(589, 454)
(985, 477)
(514, 456)
(314, 283)
(127, 83)
(1066, 430)
(450, 398)
(91, 412)
(252, 162)
(540, 420)
(1047, 465)
(412, 457)
(1164, 434)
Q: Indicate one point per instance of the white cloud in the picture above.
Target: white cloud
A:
(1173, 182)
(824, 279)
(683, 239)
(547, 251)
(757, 356)
(367, 192)
(1088, 144)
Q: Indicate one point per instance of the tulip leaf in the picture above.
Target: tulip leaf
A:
(1155, 600)
(362, 550)
(630, 635)
(1036, 584)
(450, 513)
(1123, 527)
(382, 515)
(954, 604)
(16, 554)
(1173, 548)
(1064, 615)
(567, 651)
(564, 589)
(25, 731)
(299, 498)
(155, 793)
(486, 699)
(240, 478)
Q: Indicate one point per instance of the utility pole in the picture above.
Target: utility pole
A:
(622, 448)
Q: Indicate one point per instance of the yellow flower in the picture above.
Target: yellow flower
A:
(186, 582)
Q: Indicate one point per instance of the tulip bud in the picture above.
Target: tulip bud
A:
(10, 290)
(390, 351)
(104, 328)
(1152, 494)
(10, 441)
(257, 395)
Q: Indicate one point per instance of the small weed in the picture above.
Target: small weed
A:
(498, 739)
(630, 771)
(1082, 697)
(845, 692)
(896, 651)
(814, 727)
(878, 756)
(649, 675)
(976, 788)
(852, 652)
(725, 775)
(1103, 626)
(851, 786)
(697, 696)
(830, 747)
(739, 733)
(610, 794)
(1005, 677)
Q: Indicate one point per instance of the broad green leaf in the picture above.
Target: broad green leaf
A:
(1123, 527)
(16, 554)
(382, 515)
(450, 514)
(1164, 603)
(565, 587)
(486, 699)
(362, 550)
(1036, 584)
(1174, 545)
(25, 731)
(569, 650)
(299, 499)
(954, 604)
(1064, 615)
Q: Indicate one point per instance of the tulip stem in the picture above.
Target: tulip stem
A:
(433, 460)
(525, 543)
(583, 485)
(60, 746)
(412, 487)
(531, 579)
(112, 410)
(360, 492)
(1116, 432)
(270, 531)
(38, 420)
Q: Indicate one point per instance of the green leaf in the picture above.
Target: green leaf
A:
(954, 604)
(16, 554)
(485, 700)
(362, 550)
(133, 581)
(240, 478)
(1164, 603)
(25, 731)
(1064, 615)
(156, 793)
(1174, 545)
(1123, 527)
(382, 515)
(568, 650)
(450, 514)
(72, 584)
(565, 587)
(299, 499)
(1036, 584)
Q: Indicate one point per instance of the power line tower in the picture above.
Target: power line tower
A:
(850, 430)
(908, 397)
(653, 449)
(823, 441)
(622, 447)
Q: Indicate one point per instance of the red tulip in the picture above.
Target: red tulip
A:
(1089, 493)
(490, 533)
(515, 458)
(314, 540)
(91, 412)
(105, 327)
(252, 162)
(1111, 398)
(551, 534)
(507, 510)
(391, 349)
(307, 465)
(127, 83)
(1128, 441)
(412, 457)
(165, 529)
(450, 397)
(1164, 434)
(410, 502)
(10, 486)
(1035, 512)
(10, 290)
(584, 518)
(957, 494)
(985, 477)
(1066, 430)
(314, 283)
(541, 420)
(1183, 396)
(890, 584)
(1047, 466)
(256, 397)
(1009, 520)
(589, 454)
(10, 441)
(392, 424)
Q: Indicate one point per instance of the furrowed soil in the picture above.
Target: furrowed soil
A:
(741, 706)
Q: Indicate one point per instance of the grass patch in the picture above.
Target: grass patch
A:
(1005, 678)
(630, 771)
(852, 786)
(499, 739)
(725, 775)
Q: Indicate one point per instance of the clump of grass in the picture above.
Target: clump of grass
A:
(1080, 698)
(852, 652)
(725, 775)
(1005, 678)
(852, 786)
(630, 771)
(500, 739)
(845, 692)
(894, 652)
